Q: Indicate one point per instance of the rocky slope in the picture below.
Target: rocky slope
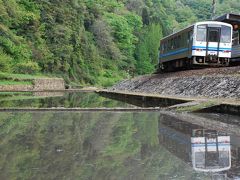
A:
(209, 82)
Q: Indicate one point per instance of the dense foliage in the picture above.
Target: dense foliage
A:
(93, 41)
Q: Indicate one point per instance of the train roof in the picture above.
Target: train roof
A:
(229, 18)
(195, 24)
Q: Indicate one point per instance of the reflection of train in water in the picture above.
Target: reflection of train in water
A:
(210, 151)
(205, 149)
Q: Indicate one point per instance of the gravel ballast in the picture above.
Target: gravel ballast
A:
(209, 82)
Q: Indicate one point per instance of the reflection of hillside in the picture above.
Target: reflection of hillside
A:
(75, 145)
(57, 99)
(48, 94)
(218, 122)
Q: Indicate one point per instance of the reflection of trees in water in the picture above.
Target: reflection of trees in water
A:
(97, 145)
(46, 100)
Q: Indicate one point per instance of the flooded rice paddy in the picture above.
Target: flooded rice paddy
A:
(114, 145)
(57, 99)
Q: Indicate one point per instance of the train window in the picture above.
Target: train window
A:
(181, 41)
(185, 39)
(175, 43)
(213, 35)
(224, 158)
(199, 158)
(226, 34)
(190, 33)
(235, 38)
(162, 47)
(238, 36)
(178, 41)
(201, 33)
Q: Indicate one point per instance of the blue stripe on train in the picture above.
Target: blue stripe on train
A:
(194, 48)
(215, 48)
(202, 145)
(175, 52)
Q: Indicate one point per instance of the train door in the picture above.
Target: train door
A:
(213, 43)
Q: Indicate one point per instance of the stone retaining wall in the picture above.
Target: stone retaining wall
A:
(48, 84)
(41, 84)
(217, 86)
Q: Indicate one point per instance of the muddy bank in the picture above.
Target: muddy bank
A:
(195, 83)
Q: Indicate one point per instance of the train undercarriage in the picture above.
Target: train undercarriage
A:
(194, 63)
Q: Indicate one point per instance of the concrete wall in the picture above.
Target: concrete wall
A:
(43, 84)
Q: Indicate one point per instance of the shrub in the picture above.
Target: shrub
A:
(5, 61)
(28, 67)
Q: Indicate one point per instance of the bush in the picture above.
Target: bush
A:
(5, 62)
(28, 67)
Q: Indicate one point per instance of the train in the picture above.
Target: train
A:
(203, 43)
(234, 20)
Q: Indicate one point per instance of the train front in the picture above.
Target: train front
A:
(212, 43)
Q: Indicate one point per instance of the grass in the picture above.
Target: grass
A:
(16, 77)
(14, 93)
(15, 82)
(23, 97)
(197, 107)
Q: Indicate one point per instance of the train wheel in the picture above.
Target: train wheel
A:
(188, 64)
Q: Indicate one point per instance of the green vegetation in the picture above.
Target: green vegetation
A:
(197, 107)
(18, 79)
(93, 42)
(15, 83)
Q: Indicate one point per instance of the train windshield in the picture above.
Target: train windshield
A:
(210, 160)
(225, 34)
(214, 34)
(201, 33)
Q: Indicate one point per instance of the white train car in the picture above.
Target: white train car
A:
(203, 43)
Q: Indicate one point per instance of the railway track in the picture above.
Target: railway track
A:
(232, 70)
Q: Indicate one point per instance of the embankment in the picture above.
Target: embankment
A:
(210, 82)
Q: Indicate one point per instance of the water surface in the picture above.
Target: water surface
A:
(108, 145)
(57, 99)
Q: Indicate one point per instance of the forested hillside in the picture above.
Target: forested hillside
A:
(94, 42)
